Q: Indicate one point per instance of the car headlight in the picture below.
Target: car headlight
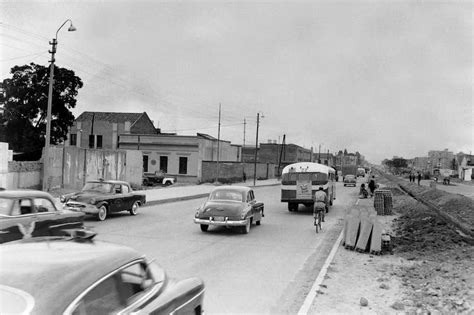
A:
(62, 199)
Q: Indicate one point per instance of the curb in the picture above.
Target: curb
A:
(190, 197)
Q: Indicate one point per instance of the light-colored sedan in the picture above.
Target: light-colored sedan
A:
(350, 180)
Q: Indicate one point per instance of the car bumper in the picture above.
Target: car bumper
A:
(82, 207)
(226, 222)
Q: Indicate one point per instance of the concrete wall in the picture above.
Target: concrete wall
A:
(24, 175)
(233, 171)
(5, 156)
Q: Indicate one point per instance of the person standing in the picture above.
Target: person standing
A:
(419, 178)
(409, 176)
(320, 202)
(372, 185)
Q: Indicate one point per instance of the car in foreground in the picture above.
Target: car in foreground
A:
(104, 197)
(83, 276)
(32, 213)
(230, 206)
(350, 180)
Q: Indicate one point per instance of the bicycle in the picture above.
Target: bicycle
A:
(318, 218)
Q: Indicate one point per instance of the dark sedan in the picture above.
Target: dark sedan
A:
(31, 213)
(74, 276)
(103, 197)
(230, 206)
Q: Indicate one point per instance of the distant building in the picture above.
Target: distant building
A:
(101, 130)
(271, 153)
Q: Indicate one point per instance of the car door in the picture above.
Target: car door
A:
(20, 222)
(117, 203)
(52, 221)
(128, 197)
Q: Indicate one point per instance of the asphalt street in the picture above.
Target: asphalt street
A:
(268, 271)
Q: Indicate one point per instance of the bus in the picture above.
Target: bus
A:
(299, 182)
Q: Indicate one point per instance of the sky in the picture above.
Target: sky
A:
(384, 78)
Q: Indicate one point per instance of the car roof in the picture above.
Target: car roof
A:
(55, 272)
(233, 188)
(21, 193)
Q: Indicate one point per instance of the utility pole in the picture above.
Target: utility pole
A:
(245, 123)
(327, 159)
(218, 142)
(319, 154)
(256, 147)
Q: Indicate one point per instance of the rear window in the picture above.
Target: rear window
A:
(226, 195)
(304, 176)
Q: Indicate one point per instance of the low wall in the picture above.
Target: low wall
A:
(234, 171)
(24, 175)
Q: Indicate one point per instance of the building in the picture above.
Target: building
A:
(101, 130)
(271, 152)
(442, 159)
(180, 156)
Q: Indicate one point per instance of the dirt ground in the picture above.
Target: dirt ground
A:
(430, 270)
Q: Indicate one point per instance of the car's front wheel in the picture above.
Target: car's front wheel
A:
(135, 207)
(102, 215)
(204, 227)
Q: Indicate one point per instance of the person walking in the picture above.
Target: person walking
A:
(409, 176)
(372, 185)
(419, 178)
(320, 202)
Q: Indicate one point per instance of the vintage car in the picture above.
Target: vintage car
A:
(158, 177)
(82, 276)
(103, 197)
(230, 206)
(32, 213)
(350, 180)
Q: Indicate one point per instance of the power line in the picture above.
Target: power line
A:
(38, 54)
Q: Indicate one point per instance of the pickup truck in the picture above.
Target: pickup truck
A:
(158, 177)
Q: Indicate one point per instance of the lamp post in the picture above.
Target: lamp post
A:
(51, 82)
(256, 148)
(50, 106)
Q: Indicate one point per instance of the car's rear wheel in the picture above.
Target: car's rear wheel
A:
(135, 207)
(102, 215)
(204, 227)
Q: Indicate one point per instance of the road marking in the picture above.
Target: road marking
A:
(319, 280)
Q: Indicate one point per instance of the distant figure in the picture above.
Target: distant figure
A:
(244, 177)
(372, 185)
(409, 176)
(419, 178)
(363, 193)
(320, 202)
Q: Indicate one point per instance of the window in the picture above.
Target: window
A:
(43, 205)
(125, 189)
(73, 140)
(91, 141)
(117, 189)
(103, 299)
(183, 165)
(135, 280)
(99, 141)
(145, 163)
(164, 164)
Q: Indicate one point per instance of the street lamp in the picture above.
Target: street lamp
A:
(51, 82)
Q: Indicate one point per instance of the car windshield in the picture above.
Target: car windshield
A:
(350, 176)
(5, 206)
(99, 187)
(226, 195)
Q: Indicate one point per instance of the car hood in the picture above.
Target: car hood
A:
(222, 208)
(84, 196)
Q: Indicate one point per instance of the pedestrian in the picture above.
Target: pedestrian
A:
(320, 202)
(363, 193)
(419, 178)
(372, 185)
(244, 177)
(409, 176)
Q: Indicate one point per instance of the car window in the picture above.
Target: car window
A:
(135, 280)
(125, 189)
(226, 195)
(102, 299)
(43, 205)
(117, 189)
(99, 187)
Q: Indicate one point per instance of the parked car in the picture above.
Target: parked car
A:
(350, 180)
(230, 206)
(103, 197)
(83, 276)
(158, 177)
(32, 213)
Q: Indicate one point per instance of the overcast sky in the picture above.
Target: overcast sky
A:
(382, 78)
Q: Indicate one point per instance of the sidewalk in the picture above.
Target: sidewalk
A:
(186, 192)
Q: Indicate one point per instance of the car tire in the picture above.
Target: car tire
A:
(204, 227)
(102, 214)
(167, 183)
(135, 207)
(246, 227)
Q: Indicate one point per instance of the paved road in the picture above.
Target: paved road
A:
(454, 188)
(268, 271)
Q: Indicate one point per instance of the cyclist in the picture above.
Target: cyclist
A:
(320, 202)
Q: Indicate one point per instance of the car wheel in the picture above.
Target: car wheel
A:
(167, 183)
(246, 228)
(135, 207)
(204, 227)
(102, 213)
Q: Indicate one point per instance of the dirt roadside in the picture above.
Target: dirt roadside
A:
(430, 270)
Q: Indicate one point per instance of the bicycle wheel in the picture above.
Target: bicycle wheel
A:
(320, 219)
(316, 223)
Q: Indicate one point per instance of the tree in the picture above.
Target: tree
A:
(25, 102)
